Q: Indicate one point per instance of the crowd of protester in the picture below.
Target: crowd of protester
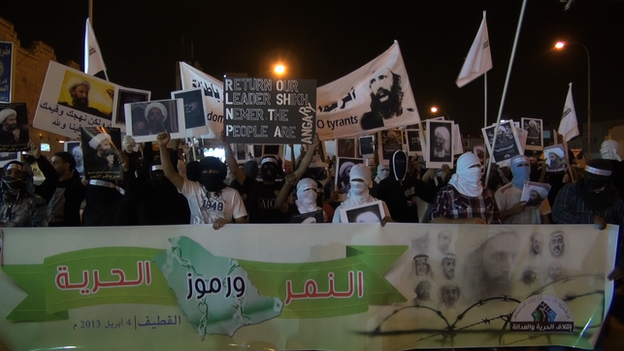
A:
(158, 188)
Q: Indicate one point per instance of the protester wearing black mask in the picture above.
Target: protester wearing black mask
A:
(210, 201)
(19, 206)
(592, 200)
(400, 191)
(262, 195)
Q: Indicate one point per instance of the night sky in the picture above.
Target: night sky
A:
(141, 42)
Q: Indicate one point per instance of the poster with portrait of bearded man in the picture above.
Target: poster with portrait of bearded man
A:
(14, 134)
(375, 97)
(100, 149)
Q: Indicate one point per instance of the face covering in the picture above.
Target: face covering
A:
(596, 187)
(306, 196)
(609, 150)
(399, 163)
(358, 192)
(521, 170)
(14, 183)
(268, 169)
(467, 179)
(212, 181)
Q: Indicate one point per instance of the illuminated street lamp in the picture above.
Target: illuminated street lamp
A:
(279, 69)
(434, 109)
(560, 45)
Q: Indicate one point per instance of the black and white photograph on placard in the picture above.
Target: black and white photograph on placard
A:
(14, 134)
(371, 212)
(534, 193)
(414, 146)
(554, 157)
(346, 148)
(535, 130)
(367, 146)
(343, 169)
(389, 142)
(194, 111)
(74, 148)
(507, 141)
(145, 120)
(440, 143)
(126, 96)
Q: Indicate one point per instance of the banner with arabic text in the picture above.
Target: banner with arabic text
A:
(192, 78)
(6, 70)
(321, 286)
(71, 99)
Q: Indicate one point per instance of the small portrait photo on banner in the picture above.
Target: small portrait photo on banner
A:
(343, 170)
(371, 212)
(127, 96)
(14, 135)
(74, 148)
(145, 120)
(440, 149)
(535, 131)
(554, 157)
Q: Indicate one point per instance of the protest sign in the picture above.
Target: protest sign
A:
(269, 111)
(14, 134)
(212, 88)
(6, 70)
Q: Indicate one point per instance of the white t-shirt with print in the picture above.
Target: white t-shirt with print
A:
(206, 207)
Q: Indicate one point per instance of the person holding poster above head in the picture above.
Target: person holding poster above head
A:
(9, 133)
(79, 90)
(360, 179)
(210, 200)
(465, 200)
(386, 98)
(441, 150)
(512, 210)
(104, 158)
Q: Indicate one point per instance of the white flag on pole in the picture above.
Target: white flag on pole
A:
(479, 58)
(568, 127)
(93, 62)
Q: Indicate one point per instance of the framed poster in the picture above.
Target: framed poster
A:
(367, 146)
(440, 149)
(555, 158)
(507, 141)
(194, 111)
(126, 96)
(346, 148)
(535, 130)
(145, 120)
(413, 142)
(371, 212)
(74, 148)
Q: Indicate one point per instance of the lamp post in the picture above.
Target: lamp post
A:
(560, 45)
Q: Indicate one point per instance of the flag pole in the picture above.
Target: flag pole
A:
(484, 94)
(500, 109)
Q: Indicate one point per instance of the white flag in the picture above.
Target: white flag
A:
(93, 62)
(479, 58)
(568, 127)
(375, 97)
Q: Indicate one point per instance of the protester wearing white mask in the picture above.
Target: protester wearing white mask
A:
(609, 151)
(465, 200)
(360, 180)
(383, 172)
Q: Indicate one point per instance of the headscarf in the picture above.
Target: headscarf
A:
(596, 186)
(382, 173)
(609, 149)
(15, 186)
(468, 180)
(213, 181)
(356, 196)
(520, 173)
(306, 196)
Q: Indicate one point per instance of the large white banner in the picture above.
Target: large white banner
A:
(193, 78)
(314, 287)
(375, 97)
(71, 99)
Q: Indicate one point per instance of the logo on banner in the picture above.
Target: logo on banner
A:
(542, 314)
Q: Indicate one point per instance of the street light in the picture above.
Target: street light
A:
(434, 109)
(279, 69)
(560, 45)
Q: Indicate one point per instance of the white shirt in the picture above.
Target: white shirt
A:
(206, 207)
(508, 195)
